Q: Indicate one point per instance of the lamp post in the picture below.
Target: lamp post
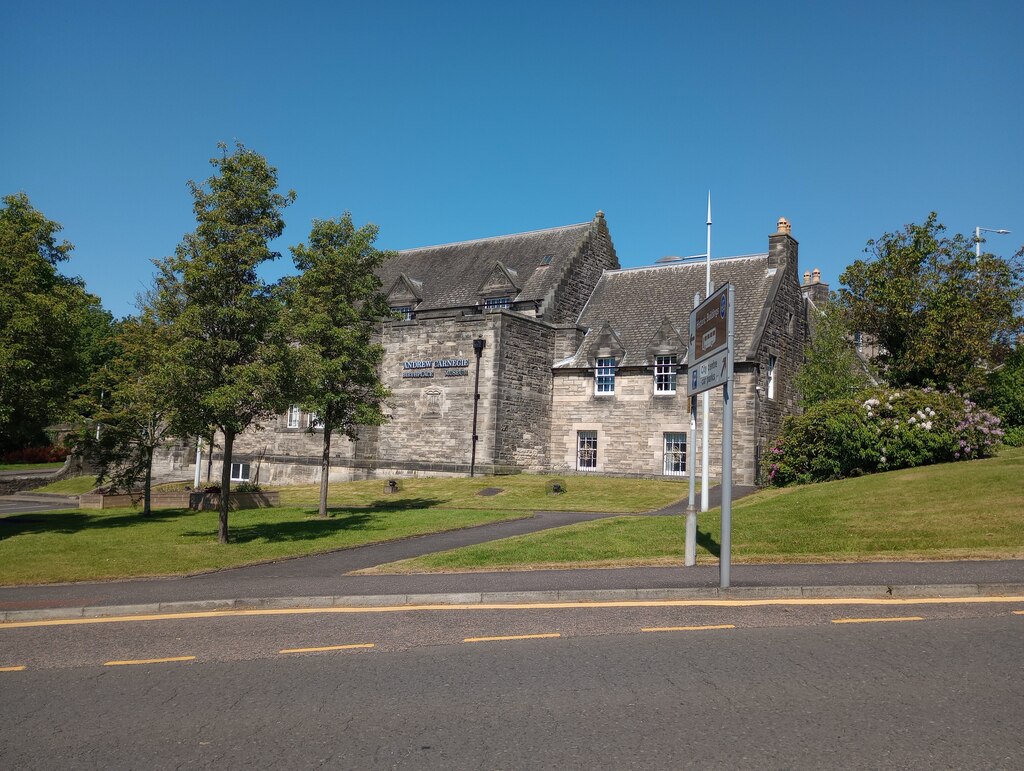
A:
(478, 349)
(977, 237)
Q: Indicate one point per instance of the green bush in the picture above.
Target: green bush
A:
(1014, 437)
(882, 429)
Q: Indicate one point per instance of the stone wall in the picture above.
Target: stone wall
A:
(632, 423)
(523, 418)
(431, 407)
(784, 337)
(595, 255)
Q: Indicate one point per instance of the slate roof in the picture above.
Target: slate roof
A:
(635, 303)
(451, 275)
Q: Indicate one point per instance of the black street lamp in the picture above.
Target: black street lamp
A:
(478, 349)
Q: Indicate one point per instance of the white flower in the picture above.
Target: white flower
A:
(912, 420)
(882, 459)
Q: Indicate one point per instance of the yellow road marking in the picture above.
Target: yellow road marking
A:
(686, 628)
(12, 669)
(793, 601)
(326, 648)
(875, 620)
(512, 637)
(147, 661)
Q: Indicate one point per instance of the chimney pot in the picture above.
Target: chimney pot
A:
(807, 277)
(784, 227)
(816, 276)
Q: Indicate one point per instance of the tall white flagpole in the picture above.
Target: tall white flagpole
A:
(705, 453)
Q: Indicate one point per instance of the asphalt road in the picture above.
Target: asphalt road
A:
(756, 687)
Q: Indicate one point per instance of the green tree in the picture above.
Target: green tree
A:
(941, 314)
(1005, 392)
(333, 307)
(831, 368)
(227, 365)
(51, 329)
(130, 407)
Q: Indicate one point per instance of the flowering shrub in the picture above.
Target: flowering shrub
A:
(883, 429)
(50, 454)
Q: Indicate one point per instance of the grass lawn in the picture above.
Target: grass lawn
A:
(114, 543)
(69, 486)
(520, 492)
(29, 466)
(968, 510)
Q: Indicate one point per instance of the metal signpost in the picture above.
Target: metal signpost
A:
(710, 365)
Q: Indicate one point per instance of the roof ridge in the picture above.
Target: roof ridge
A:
(493, 238)
(689, 262)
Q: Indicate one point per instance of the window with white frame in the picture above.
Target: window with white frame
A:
(586, 450)
(665, 374)
(604, 376)
(313, 421)
(239, 472)
(403, 312)
(294, 416)
(675, 453)
(497, 303)
(771, 376)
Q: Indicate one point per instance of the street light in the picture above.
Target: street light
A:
(977, 237)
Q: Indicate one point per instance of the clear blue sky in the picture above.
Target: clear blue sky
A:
(448, 121)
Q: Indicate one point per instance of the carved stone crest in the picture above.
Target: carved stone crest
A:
(432, 403)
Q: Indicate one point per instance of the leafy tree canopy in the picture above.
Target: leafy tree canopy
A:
(52, 332)
(942, 315)
(332, 310)
(228, 368)
(831, 369)
(130, 406)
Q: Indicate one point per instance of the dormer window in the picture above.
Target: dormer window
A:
(404, 312)
(497, 303)
(665, 374)
(604, 377)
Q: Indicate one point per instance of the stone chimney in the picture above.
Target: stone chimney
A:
(813, 288)
(782, 247)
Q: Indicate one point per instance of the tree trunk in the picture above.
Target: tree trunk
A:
(225, 486)
(209, 460)
(325, 468)
(148, 484)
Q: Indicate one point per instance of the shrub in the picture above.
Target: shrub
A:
(882, 429)
(246, 487)
(1014, 437)
(49, 454)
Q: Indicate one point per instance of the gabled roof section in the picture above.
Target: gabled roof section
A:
(453, 274)
(602, 343)
(501, 279)
(638, 302)
(404, 288)
(666, 341)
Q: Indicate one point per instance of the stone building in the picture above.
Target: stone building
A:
(582, 366)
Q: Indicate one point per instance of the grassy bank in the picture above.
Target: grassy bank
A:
(69, 486)
(116, 543)
(521, 492)
(966, 510)
(30, 466)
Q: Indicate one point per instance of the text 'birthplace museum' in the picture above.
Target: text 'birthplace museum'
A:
(583, 366)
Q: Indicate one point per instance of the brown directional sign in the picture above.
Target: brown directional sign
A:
(709, 326)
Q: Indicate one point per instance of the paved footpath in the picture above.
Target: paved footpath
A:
(326, 578)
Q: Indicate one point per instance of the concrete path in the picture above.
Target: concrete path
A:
(26, 503)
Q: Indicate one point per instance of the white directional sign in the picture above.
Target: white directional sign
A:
(710, 373)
